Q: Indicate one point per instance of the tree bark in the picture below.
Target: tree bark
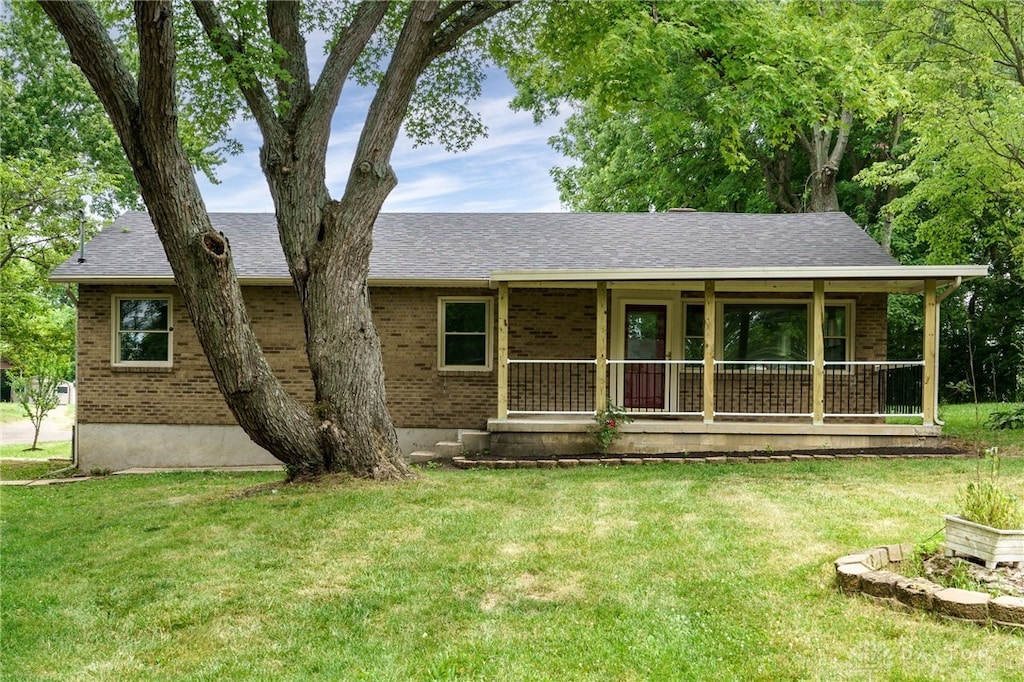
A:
(825, 159)
(326, 243)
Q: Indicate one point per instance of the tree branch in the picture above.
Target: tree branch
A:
(467, 16)
(342, 57)
(229, 49)
(153, 21)
(845, 123)
(283, 21)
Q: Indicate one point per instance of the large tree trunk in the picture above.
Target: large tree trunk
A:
(326, 243)
(825, 159)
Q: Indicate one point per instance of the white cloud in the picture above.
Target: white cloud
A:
(508, 171)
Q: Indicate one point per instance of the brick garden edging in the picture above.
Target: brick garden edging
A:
(473, 462)
(869, 573)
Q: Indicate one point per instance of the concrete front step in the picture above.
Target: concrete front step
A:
(475, 442)
(421, 456)
(448, 449)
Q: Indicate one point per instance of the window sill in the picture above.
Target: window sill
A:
(142, 369)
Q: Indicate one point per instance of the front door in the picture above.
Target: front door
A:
(644, 383)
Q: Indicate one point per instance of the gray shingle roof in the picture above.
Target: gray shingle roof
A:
(473, 245)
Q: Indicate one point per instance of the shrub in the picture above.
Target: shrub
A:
(986, 502)
(606, 426)
(1010, 418)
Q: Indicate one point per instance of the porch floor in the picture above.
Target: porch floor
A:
(558, 435)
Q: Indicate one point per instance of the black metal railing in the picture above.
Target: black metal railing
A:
(551, 386)
(742, 388)
(748, 388)
(858, 389)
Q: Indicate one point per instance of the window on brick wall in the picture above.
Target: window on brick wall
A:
(143, 331)
(464, 334)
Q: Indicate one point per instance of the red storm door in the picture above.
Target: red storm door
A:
(644, 383)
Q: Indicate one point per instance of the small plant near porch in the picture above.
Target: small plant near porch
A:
(606, 426)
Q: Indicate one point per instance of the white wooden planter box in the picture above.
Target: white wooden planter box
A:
(991, 545)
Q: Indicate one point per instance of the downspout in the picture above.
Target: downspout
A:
(938, 329)
(81, 259)
(949, 290)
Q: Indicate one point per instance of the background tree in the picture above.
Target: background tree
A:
(753, 90)
(62, 168)
(36, 385)
(959, 187)
(261, 54)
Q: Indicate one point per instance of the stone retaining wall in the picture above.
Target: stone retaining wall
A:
(475, 462)
(874, 573)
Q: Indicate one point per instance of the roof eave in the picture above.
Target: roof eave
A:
(876, 272)
(166, 280)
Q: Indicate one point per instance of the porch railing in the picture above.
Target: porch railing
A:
(551, 386)
(657, 387)
(742, 388)
(874, 389)
(763, 388)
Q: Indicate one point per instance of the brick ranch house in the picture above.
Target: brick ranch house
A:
(715, 331)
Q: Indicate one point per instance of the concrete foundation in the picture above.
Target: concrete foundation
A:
(130, 446)
(564, 437)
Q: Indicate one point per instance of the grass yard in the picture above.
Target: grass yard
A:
(664, 572)
(17, 463)
(10, 412)
(57, 448)
(968, 422)
(29, 470)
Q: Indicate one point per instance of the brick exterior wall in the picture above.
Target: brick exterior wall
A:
(419, 396)
(185, 393)
(543, 323)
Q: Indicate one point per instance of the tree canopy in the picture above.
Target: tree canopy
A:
(764, 92)
(62, 170)
(905, 115)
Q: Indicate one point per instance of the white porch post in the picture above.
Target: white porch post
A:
(709, 351)
(929, 394)
(818, 344)
(601, 349)
(503, 350)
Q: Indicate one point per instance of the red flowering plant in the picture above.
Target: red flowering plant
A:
(606, 426)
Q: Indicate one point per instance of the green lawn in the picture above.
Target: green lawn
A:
(29, 470)
(664, 572)
(10, 412)
(57, 448)
(968, 422)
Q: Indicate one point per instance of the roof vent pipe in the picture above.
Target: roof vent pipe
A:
(81, 235)
(686, 209)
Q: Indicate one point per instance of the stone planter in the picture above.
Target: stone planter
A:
(991, 545)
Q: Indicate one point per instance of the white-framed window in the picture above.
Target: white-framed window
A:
(143, 331)
(778, 331)
(837, 333)
(465, 340)
(693, 338)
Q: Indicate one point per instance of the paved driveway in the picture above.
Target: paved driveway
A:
(21, 431)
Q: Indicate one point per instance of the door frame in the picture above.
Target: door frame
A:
(617, 333)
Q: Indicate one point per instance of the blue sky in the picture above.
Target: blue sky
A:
(507, 171)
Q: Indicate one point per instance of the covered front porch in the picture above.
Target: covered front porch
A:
(736, 360)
